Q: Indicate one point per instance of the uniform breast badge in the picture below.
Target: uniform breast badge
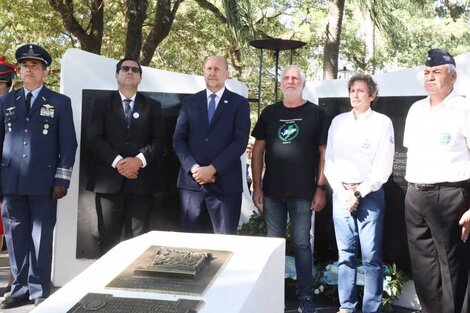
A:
(47, 110)
(10, 111)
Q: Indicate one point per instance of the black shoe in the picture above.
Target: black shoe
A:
(38, 301)
(10, 302)
(4, 290)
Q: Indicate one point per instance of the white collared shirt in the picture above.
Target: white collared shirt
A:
(359, 151)
(130, 103)
(217, 98)
(438, 141)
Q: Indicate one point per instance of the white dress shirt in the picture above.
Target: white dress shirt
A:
(218, 95)
(140, 155)
(438, 141)
(359, 151)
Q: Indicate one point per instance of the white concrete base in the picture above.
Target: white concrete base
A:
(251, 281)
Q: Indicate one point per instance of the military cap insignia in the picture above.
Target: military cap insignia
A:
(31, 52)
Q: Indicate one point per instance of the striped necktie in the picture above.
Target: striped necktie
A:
(127, 111)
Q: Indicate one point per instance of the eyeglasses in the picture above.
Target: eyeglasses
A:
(134, 69)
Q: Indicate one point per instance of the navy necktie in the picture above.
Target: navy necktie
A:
(29, 96)
(211, 109)
(127, 111)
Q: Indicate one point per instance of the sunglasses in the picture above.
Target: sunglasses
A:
(134, 69)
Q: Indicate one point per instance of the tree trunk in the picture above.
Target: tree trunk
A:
(333, 37)
(164, 17)
(136, 13)
(90, 41)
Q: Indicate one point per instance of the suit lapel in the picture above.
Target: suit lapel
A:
(137, 110)
(20, 101)
(117, 108)
(200, 105)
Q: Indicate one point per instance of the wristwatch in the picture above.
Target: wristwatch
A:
(358, 195)
(321, 187)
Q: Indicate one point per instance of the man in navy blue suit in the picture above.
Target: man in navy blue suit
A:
(210, 136)
(38, 144)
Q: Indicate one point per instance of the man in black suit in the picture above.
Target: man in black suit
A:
(210, 136)
(125, 134)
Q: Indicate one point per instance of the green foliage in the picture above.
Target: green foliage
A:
(404, 31)
(254, 227)
(416, 27)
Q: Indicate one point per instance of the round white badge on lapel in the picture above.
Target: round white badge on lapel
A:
(45, 131)
(135, 115)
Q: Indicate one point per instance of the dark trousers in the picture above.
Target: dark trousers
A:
(118, 211)
(439, 259)
(222, 209)
(29, 226)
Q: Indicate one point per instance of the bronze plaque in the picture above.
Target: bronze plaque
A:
(172, 270)
(106, 303)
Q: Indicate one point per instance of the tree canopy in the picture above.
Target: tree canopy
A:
(177, 35)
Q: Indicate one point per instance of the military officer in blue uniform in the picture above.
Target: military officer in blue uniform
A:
(38, 145)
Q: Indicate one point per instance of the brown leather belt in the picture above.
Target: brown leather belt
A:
(437, 186)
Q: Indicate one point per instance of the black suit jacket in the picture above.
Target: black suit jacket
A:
(108, 137)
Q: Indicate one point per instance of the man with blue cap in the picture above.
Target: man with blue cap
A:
(38, 144)
(437, 135)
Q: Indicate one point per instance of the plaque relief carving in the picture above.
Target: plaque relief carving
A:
(172, 270)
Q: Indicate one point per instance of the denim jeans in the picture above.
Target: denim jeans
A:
(365, 227)
(275, 216)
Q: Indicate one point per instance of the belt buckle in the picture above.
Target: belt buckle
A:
(419, 187)
(425, 187)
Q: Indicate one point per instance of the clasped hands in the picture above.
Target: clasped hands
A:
(129, 167)
(204, 174)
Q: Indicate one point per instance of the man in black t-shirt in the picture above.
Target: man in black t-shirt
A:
(291, 139)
